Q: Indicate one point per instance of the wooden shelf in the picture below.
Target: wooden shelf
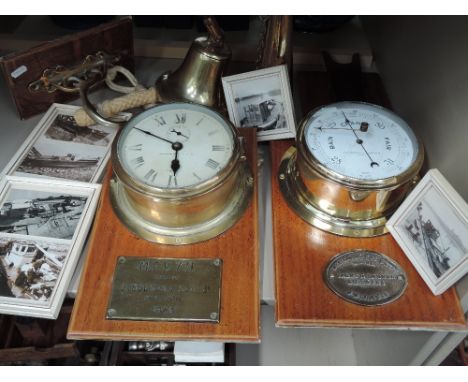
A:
(173, 43)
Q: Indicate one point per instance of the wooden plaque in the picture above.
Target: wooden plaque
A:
(237, 248)
(302, 252)
(21, 68)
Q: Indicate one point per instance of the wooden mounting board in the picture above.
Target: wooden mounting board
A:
(237, 247)
(302, 253)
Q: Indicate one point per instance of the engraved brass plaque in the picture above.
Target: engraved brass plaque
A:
(365, 277)
(165, 289)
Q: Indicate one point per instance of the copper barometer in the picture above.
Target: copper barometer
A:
(352, 166)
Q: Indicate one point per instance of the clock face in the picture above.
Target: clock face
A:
(175, 145)
(361, 141)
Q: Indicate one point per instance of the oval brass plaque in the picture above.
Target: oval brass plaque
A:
(365, 277)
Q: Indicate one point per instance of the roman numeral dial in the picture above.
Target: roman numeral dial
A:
(177, 146)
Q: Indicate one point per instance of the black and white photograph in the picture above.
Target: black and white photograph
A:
(29, 269)
(59, 148)
(40, 213)
(44, 224)
(63, 160)
(431, 226)
(64, 128)
(262, 100)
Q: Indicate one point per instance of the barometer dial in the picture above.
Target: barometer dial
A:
(360, 141)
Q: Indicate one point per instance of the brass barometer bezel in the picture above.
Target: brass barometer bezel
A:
(182, 215)
(341, 204)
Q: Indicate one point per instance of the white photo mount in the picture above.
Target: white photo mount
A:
(60, 147)
(63, 254)
(431, 227)
(262, 99)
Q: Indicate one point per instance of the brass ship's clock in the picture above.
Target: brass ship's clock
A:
(180, 174)
(353, 165)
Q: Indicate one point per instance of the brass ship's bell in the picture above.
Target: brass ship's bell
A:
(198, 79)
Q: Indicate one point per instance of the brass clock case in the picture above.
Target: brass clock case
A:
(182, 215)
(339, 204)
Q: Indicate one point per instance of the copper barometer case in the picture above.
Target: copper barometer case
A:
(353, 165)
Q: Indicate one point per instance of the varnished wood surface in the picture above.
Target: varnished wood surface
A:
(237, 247)
(115, 37)
(302, 253)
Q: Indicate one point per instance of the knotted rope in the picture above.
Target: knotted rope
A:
(135, 96)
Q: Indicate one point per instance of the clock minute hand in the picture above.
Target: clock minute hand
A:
(153, 135)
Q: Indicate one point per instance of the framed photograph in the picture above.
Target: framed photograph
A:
(431, 227)
(59, 148)
(262, 99)
(43, 227)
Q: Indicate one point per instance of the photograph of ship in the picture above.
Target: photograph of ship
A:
(64, 128)
(259, 103)
(29, 269)
(60, 159)
(436, 232)
(39, 213)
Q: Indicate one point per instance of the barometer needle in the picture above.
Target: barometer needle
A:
(333, 128)
(153, 135)
(359, 141)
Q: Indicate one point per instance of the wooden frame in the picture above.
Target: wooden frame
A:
(57, 147)
(431, 226)
(59, 215)
(268, 94)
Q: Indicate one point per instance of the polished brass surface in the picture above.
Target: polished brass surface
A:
(68, 79)
(276, 44)
(198, 79)
(340, 204)
(198, 218)
(348, 202)
(319, 212)
(166, 289)
(187, 214)
(365, 277)
(177, 194)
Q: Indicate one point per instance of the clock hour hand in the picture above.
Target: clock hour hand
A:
(153, 135)
(179, 133)
(175, 164)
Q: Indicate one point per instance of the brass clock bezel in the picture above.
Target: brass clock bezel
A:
(180, 192)
(182, 215)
